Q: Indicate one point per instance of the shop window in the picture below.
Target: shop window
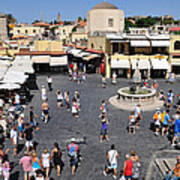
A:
(92, 46)
(26, 31)
(177, 45)
(110, 22)
(34, 31)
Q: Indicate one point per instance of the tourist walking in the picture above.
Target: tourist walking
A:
(49, 81)
(166, 121)
(103, 108)
(132, 123)
(45, 159)
(104, 82)
(26, 163)
(75, 109)
(60, 99)
(157, 121)
(104, 130)
(32, 120)
(21, 126)
(14, 139)
(128, 168)
(73, 152)
(112, 156)
(176, 131)
(28, 136)
(66, 100)
(45, 111)
(114, 76)
(136, 165)
(56, 155)
(43, 93)
(6, 169)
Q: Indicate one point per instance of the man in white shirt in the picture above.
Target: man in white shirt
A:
(112, 157)
(49, 80)
(14, 138)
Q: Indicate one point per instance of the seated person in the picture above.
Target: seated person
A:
(175, 173)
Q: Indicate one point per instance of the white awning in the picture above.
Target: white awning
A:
(123, 64)
(59, 61)
(142, 64)
(161, 64)
(22, 64)
(75, 51)
(140, 43)
(14, 77)
(160, 43)
(175, 62)
(3, 69)
(40, 59)
(92, 56)
(82, 54)
(10, 86)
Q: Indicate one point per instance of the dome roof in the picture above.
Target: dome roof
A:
(104, 5)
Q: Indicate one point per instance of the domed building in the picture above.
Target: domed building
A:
(105, 17)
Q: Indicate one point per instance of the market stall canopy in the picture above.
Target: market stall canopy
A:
(10, 86)
(3, 68)
(140, 43)
(123, 64)
(161, 64)
(82, 54)
(91, 56)
(158, 43)
(59, 61)
(74, 52)
(22, 64)
(142, 64)
(14, 77)
(41, 59)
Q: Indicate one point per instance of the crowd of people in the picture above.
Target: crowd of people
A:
(37, 166)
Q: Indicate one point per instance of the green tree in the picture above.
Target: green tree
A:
(35, 21)
(147, 22)
(11, 19)
(128, 24)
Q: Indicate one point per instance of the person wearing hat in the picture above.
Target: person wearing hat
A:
(73, 152)
(104, 123)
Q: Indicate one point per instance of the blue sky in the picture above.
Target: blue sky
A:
(29, 10)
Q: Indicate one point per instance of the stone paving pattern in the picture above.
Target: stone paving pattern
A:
(63, 126)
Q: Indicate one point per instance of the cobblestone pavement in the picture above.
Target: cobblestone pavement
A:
(63, 126)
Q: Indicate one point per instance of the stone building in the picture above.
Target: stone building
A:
(105, 17)
(3, 27)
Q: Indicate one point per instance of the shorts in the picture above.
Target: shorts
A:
(21, 128)
(112, 166)
(59, 100)
(103, 132)
(165, 125)
(128, 177)
(45, 112)
(29, 143)
(74, 161)
(157, 126)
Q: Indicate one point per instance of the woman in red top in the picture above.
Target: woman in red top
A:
(128, 168)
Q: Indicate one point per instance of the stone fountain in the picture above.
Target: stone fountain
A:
(128, 97)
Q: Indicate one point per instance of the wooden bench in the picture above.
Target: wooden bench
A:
(165, 164)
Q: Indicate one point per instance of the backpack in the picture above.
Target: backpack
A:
(72, 150)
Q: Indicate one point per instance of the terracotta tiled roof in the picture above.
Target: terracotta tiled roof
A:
(174, 29)
(51, 53)
(20, 37)
(94, 51)
(41, 24)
